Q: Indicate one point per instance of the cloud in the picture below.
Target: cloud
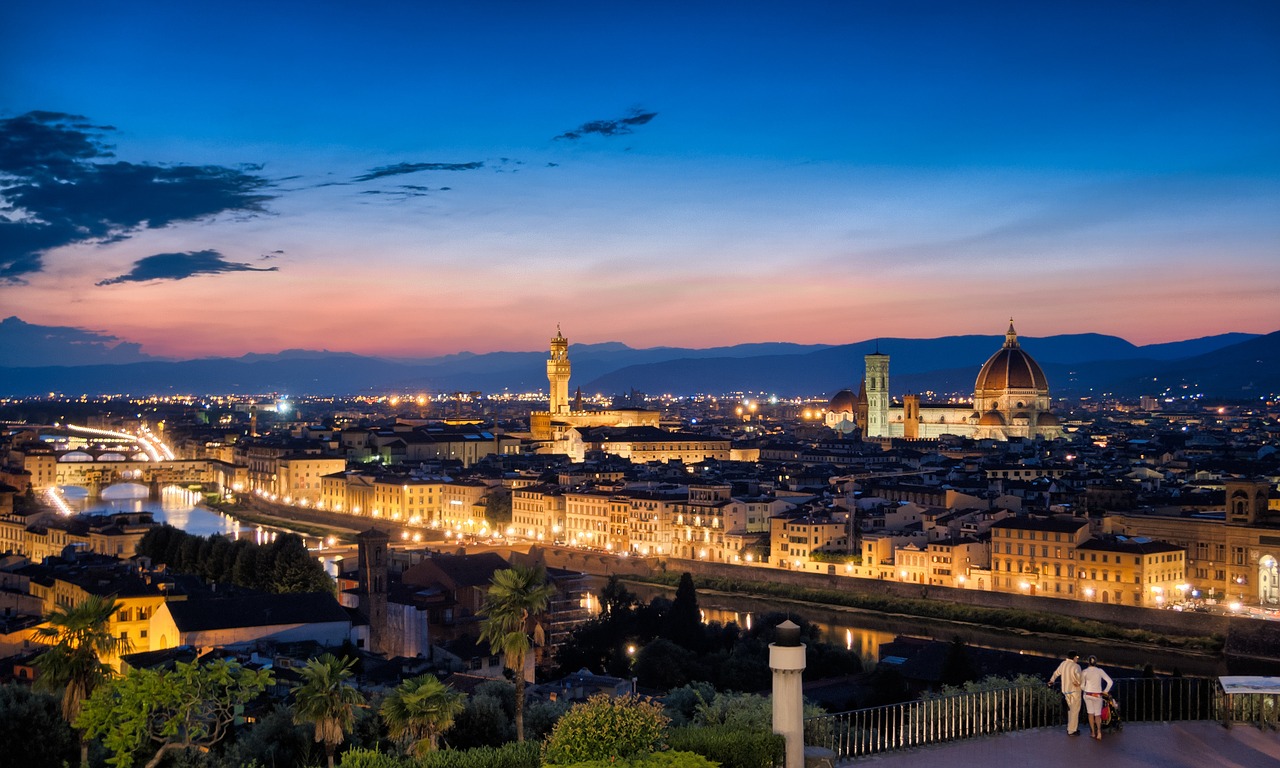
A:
(271, 254)
(58, 188)
(619, 127)
(180, 266)
(383, 171)
(28, 345)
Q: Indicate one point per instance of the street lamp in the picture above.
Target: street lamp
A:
(631, 665)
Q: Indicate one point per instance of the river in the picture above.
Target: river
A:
(864, 631)
(183, 510)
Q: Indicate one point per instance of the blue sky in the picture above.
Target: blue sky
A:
(419, 178)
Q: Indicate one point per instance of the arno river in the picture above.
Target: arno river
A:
(183, 511)
(864, 631)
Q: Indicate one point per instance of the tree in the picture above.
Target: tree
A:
(616, 601)
(24, 713)
(78, 636)
(487, 719)
(497, 507)
(683, 623)
(291, 568)
(515, 595)
(419, 710)
(326, 700)
(190, 706)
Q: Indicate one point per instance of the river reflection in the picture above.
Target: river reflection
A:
(864, 642)
(182, 510)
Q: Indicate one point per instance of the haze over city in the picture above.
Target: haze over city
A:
(419, 179)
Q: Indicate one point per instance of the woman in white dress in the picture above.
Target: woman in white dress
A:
(1094, 682)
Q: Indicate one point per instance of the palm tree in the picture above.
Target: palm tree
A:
(515, 595)
(325, 699)
(419, 710)
(78, 637)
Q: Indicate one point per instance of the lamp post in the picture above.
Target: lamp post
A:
(631, 666)
(786, 659)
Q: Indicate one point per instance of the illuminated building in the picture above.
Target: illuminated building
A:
(552, 424)
(1232, 555)
(1010, 399)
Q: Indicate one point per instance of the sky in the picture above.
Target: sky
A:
(422, 178)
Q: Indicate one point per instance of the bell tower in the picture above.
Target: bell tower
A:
(558, 374)
(372, 559)
(877, 395)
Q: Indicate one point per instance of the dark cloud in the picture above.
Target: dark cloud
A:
(28, 345)
(619, 127)
(180, 266)
(57, 189)
(271, 254)
(402, 168)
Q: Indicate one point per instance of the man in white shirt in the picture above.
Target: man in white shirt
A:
(1069, 672)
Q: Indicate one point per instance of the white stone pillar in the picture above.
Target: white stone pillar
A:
(786, 659)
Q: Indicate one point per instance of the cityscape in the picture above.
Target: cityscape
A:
(768, 389)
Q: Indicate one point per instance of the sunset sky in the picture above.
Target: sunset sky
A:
(421, 178)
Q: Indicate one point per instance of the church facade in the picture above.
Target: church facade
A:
(1010, 399)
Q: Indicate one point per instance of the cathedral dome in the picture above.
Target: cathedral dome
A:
(1011, 369)
(843, 402)
(991, 419)
(1047, 419)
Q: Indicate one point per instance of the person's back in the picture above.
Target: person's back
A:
(1095, 680)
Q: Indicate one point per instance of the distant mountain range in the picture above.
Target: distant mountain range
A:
(41, 359)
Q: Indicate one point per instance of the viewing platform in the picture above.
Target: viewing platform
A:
(1169, 722)
(1189, 744)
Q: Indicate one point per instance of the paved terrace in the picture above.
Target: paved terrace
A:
(1190, 744)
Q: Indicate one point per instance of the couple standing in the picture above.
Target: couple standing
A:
(1090, 683)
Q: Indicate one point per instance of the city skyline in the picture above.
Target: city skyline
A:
(415, 181)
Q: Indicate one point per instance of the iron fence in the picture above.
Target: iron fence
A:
(965, 715)
(1167, 699)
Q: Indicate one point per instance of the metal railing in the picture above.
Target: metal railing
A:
(1167, 699)
(942, 719)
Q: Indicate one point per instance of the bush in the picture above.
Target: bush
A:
(652, 760)
(507, 756)
(370, 758)
(604, 728)
(511, 755)
(731, 747)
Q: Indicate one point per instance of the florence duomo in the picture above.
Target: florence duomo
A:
(1010, 399)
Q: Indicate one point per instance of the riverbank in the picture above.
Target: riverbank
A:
(250, 516)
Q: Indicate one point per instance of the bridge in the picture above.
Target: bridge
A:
(102, 462)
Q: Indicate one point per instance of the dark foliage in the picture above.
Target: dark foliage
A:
(284, 565)
(730, 747)
(723, 655)
(682, 624)
(32, 731)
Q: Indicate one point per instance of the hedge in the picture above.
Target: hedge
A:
(731, 747)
